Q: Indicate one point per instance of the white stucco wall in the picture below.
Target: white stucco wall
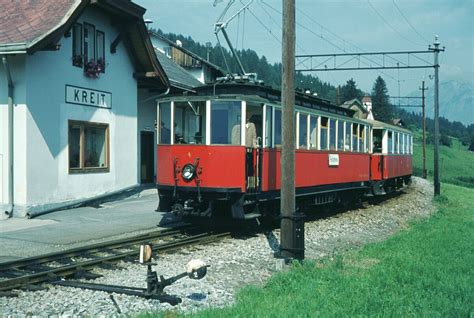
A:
(43, 180)
(17, 70)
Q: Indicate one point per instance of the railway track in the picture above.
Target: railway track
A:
(28, 273)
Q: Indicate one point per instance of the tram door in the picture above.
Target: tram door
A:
(253, 144)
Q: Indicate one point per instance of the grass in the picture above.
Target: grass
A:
(456, 163)
(425, 270)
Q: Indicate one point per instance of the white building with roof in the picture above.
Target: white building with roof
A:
(72, 125)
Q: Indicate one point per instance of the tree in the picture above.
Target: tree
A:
(471, 146)
(349, 91)
(381, 106)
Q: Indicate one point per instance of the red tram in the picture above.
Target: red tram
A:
(218, 152)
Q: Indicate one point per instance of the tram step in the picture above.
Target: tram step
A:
(251, 216)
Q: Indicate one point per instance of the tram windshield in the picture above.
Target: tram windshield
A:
(226, 122)
(189, 122)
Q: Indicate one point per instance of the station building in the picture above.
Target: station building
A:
(78, 84)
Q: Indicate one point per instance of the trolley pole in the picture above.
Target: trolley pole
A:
(436, 50)
(292, 235)
(423, 89)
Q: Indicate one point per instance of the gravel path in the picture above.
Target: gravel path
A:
(234, 263)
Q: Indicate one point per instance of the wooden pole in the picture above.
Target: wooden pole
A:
(291, 222)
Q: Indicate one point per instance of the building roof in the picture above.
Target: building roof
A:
(178, 76)
(28, 26)
(366, 98)
(194, 55)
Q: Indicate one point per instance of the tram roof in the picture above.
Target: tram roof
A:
(268, 93)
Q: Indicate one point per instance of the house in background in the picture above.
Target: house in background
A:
(203, 70)
(73, 124)
(363, 110)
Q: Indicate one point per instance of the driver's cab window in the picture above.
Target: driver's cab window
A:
(189, 125)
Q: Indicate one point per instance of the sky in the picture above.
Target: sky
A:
(338, 26)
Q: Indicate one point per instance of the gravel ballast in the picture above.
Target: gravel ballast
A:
(234, 263)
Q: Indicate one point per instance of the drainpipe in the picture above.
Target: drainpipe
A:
(11, 201)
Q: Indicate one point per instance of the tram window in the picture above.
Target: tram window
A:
(324, 133)
(366, 139)
(165, 123)
(332, 134)
(313, 128)
(355, 137)
(268, 126)
(303, 132)
(277, 128)
(396, 141)
(407, 144)
(402, 143)
(225, 122)
(189, 122)
(340, 134)
(347, 144)
(361, 138)
(377, 140)
(390, 142)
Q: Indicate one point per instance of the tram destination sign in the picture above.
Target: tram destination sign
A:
(88, 97)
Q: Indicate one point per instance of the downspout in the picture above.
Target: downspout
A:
(11, 201)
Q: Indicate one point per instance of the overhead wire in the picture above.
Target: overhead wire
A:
(390, 26)
(279, 27)
(406, 19)
(330, 42)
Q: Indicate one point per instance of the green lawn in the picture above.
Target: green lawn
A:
(425, 270)
(456, 164)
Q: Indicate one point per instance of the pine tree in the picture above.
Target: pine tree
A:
(381, 106)
(349, 91)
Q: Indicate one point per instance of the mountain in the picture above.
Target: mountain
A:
(456, 101)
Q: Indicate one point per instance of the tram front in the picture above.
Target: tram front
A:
(206, 162)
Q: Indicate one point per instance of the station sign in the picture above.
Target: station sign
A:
(88, 97)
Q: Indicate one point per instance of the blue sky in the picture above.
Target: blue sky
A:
(374, 25)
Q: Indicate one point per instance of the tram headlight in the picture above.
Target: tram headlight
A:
(188, 172)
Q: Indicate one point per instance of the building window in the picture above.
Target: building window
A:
(77, 45)
(88, 147)
(100, 50)
(89, 43)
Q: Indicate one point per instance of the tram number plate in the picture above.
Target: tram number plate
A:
(333, 160)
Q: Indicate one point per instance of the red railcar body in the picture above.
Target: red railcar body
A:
(219, 167)
(312, 168)
(206, 164)
(386, 167)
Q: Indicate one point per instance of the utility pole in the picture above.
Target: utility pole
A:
(436, 50)
(423, 124)
(292, 233)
